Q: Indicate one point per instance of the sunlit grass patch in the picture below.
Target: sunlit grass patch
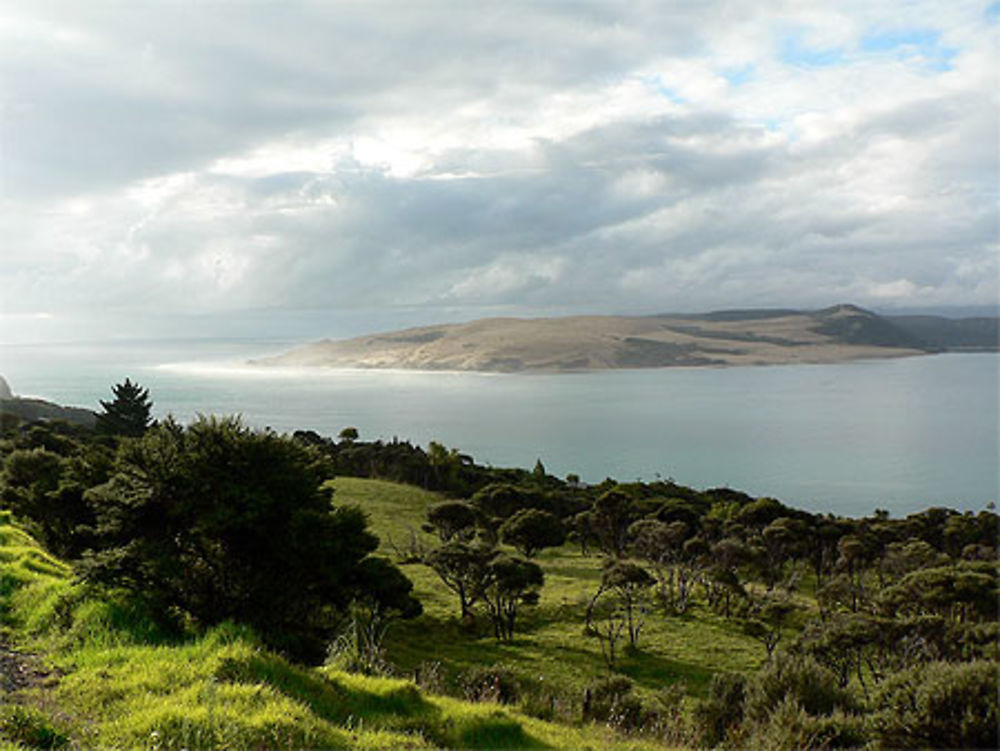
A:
(396, 511)
(223, 693)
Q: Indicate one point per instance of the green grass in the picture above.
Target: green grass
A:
(124, 683)
(550, 647)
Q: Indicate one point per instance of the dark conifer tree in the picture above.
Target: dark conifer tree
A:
(128, 413)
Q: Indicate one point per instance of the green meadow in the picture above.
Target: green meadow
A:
(550, 648)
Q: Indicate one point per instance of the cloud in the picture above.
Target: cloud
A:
(605, 157)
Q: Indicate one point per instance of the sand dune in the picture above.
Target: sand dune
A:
(580, 343)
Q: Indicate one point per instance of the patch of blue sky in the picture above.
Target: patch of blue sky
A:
(657, 84)
(993, 11)
(911, 45)
(671, 94)
(792, 51)
(772, 125)
(738, 76)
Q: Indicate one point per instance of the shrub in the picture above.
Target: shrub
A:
(611, 701)
(939, 705)
(224, 522)
(791, 728)
(429, 677)
(498, 684)
(722, 710)
(799, 679)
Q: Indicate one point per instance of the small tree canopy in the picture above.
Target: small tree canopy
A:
(531, 530)
(453, 520)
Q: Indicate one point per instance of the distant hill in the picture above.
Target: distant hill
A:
(34, 410)
(952, 334)
(580, 343)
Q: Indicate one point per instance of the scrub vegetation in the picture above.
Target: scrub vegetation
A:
(213, 586)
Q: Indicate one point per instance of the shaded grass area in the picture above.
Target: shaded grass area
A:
(550, 641)
(122, 681)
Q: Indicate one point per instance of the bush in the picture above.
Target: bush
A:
(939, 705)
(791, 728)
(799, 679)
(611, 701)
(540, 700)
(226, 523)
(722, 710)
(497, 684)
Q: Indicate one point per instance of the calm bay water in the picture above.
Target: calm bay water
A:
(898, 434)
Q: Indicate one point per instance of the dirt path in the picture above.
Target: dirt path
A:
(18, 671)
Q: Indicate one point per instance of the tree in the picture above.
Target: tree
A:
(618, 607)
(661, 545)
(128, 413)
(782, 539)
(531, 530)
(610, 518)
(348, 435)
(222, 522)
(539, 471)
(499, 500)
(767, 620)
(452, 520)
(444, 463)
(630, 583)
(510, 582)
(724, 580)
(463, 569)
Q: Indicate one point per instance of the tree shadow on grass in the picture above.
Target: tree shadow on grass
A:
(460, 648)
(655, 670)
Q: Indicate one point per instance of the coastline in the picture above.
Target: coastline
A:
(830, 355)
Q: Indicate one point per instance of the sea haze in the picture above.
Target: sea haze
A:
(899, 434)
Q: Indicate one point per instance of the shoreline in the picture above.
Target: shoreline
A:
(262, 365)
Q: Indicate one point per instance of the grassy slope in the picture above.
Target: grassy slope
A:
(551, 642)
(118, 682)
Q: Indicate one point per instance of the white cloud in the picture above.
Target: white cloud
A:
(612, 156)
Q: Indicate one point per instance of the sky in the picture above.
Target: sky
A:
(211, 168)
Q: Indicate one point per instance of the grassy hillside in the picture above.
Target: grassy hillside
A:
(96, 672)
(682, 650)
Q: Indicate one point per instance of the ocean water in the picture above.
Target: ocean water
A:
(900, 434)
